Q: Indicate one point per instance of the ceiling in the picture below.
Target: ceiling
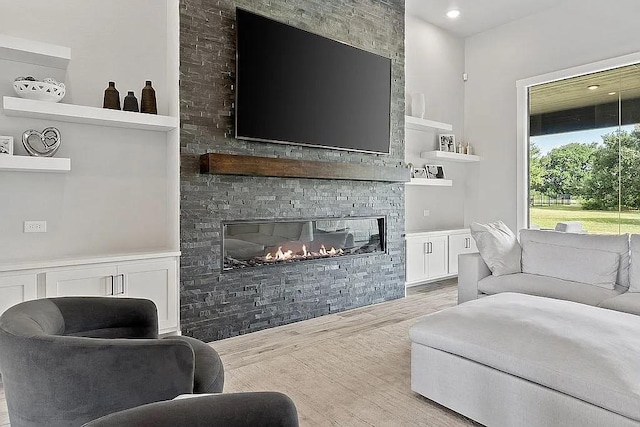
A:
(622, 83)
(476, 15)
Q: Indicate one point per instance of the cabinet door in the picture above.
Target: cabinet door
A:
(459, 244)
(156, 281)
(93, 282)
(15, 289)
(416, 260)
(437, 257)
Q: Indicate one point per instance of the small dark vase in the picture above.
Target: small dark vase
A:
(130, 102)
(111, 97)
(148, 102)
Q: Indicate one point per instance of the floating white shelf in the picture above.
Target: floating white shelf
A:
(451, 157)
(19, 107)
(34, 164)
(417, 123)
(33, 52)
(432, 182)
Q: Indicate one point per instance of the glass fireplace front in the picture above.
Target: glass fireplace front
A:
(270, 242)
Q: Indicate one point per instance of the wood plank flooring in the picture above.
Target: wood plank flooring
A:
(344, 369)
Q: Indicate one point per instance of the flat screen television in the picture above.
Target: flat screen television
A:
(296, 87)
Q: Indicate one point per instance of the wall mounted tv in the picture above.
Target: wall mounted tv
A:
(296, 87)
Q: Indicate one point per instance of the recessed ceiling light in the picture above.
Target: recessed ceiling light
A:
(593, 87)
(611, 93)
(453, 13)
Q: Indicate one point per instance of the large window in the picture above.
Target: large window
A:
(584, 152)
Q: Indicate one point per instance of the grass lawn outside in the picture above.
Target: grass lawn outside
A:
(595, 222)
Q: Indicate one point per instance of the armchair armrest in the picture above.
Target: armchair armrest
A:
(471, 269)
(93, 376)
(260, 409)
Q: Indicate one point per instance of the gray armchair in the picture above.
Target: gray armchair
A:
(261, 409)
(67, 361)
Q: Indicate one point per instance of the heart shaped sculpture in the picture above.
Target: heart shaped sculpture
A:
(42, 144)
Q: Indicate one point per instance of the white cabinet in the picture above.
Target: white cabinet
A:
(434, 255)
(437, 256)
(16, 289)
(459, 244)
(155, 279)
(415, 267)
(426, 258)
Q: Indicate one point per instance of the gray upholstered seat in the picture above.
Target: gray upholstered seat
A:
(262, 409)
(67, 361)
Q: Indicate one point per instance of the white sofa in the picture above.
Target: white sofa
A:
(539, 249)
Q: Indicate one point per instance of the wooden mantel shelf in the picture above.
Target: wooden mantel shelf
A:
(231, 164)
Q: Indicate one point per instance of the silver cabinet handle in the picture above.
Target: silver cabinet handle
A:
(123, 285)
(112, 280)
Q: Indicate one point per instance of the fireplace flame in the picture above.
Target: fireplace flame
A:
(282, 255)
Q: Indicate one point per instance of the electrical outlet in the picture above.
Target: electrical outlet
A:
(35, 226)
(425, 212)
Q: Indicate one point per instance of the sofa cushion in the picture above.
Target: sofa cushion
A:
(591, 266)
(550, 287)
(634, 269)
(629, 302)
(602, 242)
(582, 351)
(498, 247)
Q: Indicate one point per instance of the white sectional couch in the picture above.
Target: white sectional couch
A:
(557, 343)
(589, 269)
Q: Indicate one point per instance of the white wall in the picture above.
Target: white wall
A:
(434, 66)
(115, 198)
(576, 32)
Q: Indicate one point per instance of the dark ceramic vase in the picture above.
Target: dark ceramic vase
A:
(111, 97)
(148, 102)
(130, 102)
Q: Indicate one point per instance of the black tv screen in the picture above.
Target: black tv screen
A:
(296, 87)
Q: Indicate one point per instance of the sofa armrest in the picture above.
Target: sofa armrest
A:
(471, 269)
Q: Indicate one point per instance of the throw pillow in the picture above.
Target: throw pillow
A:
(590, 266)
(498, 247)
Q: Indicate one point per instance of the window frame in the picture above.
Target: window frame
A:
(522, 125)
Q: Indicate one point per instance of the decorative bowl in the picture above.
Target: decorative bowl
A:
(40, 91)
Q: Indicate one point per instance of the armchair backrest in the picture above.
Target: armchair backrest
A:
(64, 360)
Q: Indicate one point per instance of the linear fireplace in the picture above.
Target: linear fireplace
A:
(258, 243)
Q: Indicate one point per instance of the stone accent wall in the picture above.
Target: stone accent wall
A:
(216, 305)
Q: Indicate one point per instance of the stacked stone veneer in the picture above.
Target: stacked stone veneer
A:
(217, 305)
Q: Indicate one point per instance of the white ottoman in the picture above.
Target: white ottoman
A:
(519, 360)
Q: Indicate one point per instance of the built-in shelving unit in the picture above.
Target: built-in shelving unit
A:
(19, 107)
(34, 52)
(430, 182)
(417, 123)
(450, 157)
(34, 164)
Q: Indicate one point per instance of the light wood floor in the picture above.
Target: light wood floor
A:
(345, 369)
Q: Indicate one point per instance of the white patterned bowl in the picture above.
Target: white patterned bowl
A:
(40, 91)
